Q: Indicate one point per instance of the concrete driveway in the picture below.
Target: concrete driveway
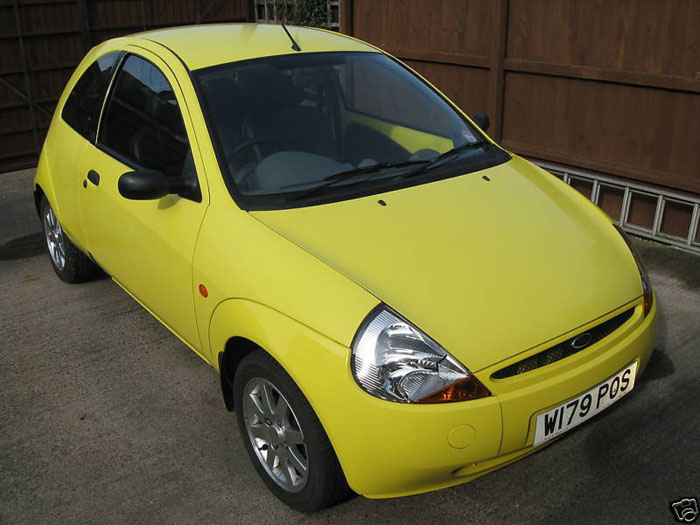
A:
(106, 417)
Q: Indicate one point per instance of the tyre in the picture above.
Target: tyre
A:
(284, 438)
(70, 264)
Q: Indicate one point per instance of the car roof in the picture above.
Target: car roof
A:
(211, 44)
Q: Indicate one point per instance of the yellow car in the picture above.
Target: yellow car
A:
(395, 304)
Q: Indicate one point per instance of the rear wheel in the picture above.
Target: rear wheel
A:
(284, 438)
(70, 264)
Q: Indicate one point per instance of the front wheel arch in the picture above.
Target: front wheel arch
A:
(256, 326)
(317, 364)
(286, 441)
(235, 350)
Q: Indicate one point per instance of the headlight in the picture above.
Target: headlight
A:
(394, 360)
(646, 283)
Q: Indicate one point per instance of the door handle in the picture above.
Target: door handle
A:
(94, 177)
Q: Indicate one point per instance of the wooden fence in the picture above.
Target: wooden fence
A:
(606, 85)
(41, 42)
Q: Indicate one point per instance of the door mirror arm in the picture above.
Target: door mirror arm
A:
(186, 187)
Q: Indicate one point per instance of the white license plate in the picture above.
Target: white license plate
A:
(566, 416)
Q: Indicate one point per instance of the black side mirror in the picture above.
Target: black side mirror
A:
(143, 185)
(482, 120)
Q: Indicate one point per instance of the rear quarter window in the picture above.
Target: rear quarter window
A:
(82, 109)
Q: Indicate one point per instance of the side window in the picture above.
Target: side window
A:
(143, 122)
(82, 109)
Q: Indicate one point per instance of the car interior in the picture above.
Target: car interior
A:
(282, 128)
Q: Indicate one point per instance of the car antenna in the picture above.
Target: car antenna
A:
(295, 46)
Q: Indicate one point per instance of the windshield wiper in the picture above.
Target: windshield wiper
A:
(336, 178)
(449, 154)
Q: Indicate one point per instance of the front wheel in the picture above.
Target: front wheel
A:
(70, 264)
(284, 438)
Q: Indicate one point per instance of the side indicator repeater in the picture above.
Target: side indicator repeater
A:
(203, 290)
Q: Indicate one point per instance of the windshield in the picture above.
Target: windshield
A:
(302, 129)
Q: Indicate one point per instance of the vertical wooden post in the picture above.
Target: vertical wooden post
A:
(25, 74)
(143, 16)
(346, 16)
(84, 24)
(249, 10)
(212, 7)
(496, 72)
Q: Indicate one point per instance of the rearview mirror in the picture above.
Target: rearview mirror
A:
(482, 120)
(143, 185)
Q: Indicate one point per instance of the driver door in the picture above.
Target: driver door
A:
(146, 246)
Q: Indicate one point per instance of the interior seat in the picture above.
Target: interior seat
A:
(279, 108)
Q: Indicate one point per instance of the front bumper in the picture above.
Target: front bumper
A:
(389, 449)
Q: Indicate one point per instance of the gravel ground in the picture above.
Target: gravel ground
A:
(106, 417)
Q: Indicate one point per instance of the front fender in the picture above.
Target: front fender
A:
(384, 448)
(317, 364)
(299, 349)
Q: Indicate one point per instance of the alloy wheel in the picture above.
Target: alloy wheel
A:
(275, 434)
(55, 241)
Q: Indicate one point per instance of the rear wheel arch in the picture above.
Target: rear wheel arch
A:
(38, 195)
(70, 264)
(43, 180)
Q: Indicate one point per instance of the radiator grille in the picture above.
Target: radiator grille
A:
(565, 348)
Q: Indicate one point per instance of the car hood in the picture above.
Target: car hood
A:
(488, 268)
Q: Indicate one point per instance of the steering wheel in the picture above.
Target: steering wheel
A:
(253, 143)
(246, 144)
